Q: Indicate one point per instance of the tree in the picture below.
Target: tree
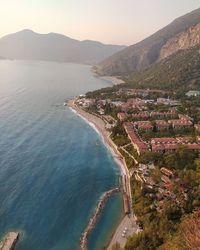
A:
(187, 236)
(116, 246)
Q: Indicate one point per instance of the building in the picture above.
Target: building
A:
(136, 141)
(162, 148)
(167, 172)
(121, 116)
(163, 140)
(185, 117)
(86, 103)
(117, 103)
(165, 179)
(172, 114)
(171, 140)
(185, 139)
(167, 101)
(161, 124)
(180, 123)
(193, 146)
(143, 125)
(193, 93)
(141, 115)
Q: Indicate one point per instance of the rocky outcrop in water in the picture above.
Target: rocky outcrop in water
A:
(93, 220)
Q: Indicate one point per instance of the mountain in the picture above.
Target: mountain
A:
(154, 48)
(29, 45)
(179, 71)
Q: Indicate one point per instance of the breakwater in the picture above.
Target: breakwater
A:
(93, 220)
(9, 241)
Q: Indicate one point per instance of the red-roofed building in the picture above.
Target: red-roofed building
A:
(185, 117)
(171, 147)
(122, 116)
(193, 146)
(137, 142)
(167, 172)
(185, 139)
(171, 113)
(165, 179)
(163, 140)
(161, 124)
(159, 148)
(141, 115)
(143, 125)
(180, 123)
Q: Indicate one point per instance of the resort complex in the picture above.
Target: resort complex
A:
(155, 137)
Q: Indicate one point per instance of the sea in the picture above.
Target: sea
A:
(54, 167)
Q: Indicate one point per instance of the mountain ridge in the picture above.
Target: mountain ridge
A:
(27, 44)
(143, 54)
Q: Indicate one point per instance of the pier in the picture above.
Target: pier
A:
(93, 220)
(9, 241)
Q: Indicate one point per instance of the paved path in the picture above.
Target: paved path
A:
(123, 148)
(132, 228)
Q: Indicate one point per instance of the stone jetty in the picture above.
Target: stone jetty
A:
(93, 220)
(9, 241)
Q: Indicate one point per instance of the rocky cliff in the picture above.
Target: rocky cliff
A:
(184, 40)
(180, 34)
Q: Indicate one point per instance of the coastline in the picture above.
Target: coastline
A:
(114, 79)
(128, 221)
(99, 126)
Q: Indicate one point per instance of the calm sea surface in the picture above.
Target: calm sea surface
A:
(53, 166)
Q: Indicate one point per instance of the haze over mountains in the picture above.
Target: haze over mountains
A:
(181, 34)
(28, 45)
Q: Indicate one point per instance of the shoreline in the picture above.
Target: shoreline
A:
(114, 79)
(128, 221)
(98, 125)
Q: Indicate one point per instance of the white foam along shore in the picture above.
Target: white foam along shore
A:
(99, 126)
(104, 136)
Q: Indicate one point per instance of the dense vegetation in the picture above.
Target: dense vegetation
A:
(180, 71)
(164, 229)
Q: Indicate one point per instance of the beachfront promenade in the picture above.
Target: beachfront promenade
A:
(129, 221)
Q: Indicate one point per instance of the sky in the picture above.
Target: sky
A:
(108, 21)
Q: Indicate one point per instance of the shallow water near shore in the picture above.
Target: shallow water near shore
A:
(53, 166)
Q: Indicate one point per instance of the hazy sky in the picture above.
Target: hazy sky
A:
(108, 21)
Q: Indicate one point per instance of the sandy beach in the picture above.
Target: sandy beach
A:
(115, 80)
(128, 221)
(99, 125)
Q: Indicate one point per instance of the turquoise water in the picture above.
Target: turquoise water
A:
(53, 166)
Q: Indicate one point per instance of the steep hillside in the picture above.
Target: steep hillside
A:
(184, 40)
(178, 71)
(141, 55)
(29, 45)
